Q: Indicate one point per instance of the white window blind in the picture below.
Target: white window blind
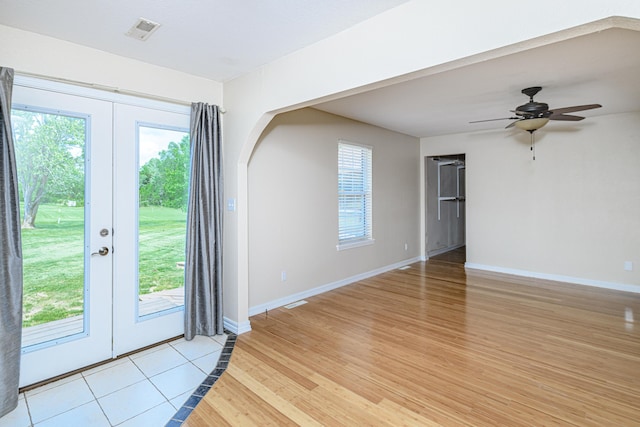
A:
(354, 194)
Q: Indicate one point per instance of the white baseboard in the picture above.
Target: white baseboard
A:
(325, 288)
(235, 327)
(555, 277)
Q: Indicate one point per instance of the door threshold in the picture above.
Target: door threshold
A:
(95, 365)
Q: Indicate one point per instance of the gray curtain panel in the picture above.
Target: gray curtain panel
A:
(203, 264)
(10, 256)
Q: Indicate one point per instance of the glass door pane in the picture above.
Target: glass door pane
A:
(50, 155)
(151, 162)
(163, 181)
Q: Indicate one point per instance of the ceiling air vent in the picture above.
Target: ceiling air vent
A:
(142, 29)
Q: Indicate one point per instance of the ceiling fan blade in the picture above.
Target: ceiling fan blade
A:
(493, 120)
(512, 124)
(574, 108)
(565, 117)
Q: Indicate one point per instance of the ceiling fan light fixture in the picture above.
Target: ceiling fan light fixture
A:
(531, 125)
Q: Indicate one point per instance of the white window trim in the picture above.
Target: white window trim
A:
(355, 244)
(367, 240)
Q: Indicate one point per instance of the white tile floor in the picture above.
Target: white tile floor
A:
(144, 389)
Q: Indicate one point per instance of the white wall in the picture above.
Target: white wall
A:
(32, 53)
(293, 211)
(571, 214)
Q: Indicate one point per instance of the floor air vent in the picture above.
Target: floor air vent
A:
(295, 304)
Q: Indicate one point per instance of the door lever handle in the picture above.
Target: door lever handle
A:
(103, 251)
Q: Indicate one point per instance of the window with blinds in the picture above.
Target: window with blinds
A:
(354, 195)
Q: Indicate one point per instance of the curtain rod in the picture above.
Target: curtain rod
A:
(109, 89)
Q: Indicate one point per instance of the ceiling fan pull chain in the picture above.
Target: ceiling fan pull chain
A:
(533, 149)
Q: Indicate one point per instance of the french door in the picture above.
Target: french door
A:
(151, 146)
(103, 236)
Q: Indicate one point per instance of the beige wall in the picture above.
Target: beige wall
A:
(293, 222)
(572, 213)
(415, 39)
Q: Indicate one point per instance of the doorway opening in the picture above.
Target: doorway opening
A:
(445, 211)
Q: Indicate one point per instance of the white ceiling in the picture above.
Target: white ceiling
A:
(222, 39)
(599, 68)
(216, 39)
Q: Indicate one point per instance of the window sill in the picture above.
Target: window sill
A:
(354, 244)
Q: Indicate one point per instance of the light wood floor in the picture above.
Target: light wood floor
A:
(458, 255)
(433, 346)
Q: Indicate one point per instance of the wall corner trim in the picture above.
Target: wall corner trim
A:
(326, 288)
(556, 278)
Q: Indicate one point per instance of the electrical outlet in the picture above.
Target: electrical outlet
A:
(406, 247)
(628, 266)
(283, 276)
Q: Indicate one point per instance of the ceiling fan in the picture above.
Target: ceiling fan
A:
(533, 115)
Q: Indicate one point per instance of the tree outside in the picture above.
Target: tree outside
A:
(164, 180)
(50, 160)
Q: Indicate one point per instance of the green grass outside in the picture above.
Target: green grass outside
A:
(161, 244)
(53, 261)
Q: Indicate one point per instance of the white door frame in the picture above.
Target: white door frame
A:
(111, 329)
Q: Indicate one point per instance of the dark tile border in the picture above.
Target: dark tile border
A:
(206, 385)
